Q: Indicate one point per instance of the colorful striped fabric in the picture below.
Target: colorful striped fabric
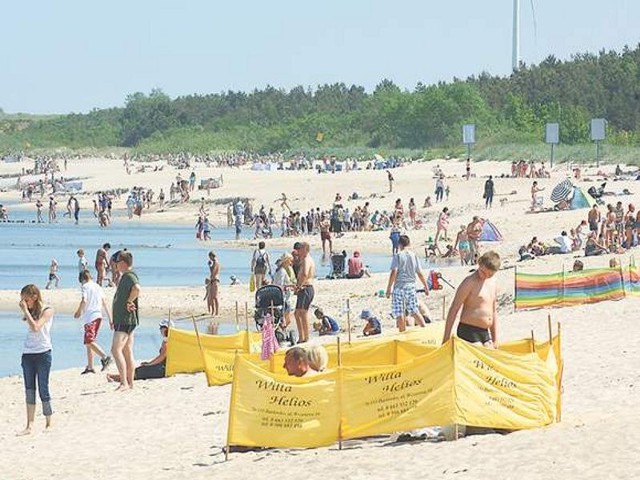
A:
(574, 288)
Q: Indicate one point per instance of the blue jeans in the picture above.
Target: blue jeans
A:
(37, 366)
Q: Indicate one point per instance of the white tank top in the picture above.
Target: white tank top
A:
(40, 341)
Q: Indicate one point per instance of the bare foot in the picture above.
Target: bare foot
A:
(122, 388)
(26, 431)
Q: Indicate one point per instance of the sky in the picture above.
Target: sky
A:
(77, 55)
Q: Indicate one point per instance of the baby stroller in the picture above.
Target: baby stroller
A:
(270, 301)
(338, 265)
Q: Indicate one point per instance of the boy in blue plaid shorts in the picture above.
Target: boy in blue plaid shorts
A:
(405, 266)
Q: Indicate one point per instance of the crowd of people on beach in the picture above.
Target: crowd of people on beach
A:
(613, 231)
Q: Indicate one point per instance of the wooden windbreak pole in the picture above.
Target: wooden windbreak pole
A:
(515, 287)
(237, 318)
(533, 343)
(559, 402)
(444, 307)
(348, 321)
(340, 398)
(624, 293)
(550, 328)
(246, 315)
(195, 328)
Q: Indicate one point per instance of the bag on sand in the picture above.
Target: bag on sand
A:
(252, 283)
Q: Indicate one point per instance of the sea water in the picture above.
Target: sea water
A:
(67, 336)
(164, 255)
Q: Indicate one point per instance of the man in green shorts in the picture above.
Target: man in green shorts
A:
(124, 319)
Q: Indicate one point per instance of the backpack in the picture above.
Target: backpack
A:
(260, 261)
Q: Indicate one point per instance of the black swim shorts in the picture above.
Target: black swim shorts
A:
(123, 327)
(473, 334)
(305, 297)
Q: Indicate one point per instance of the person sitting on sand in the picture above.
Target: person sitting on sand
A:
(153, 368)
(593, 247)
(356, 269)
(449, 252)
(524, 254)
(373, 326)
(296, 362)
(536, 248)
(576, 243)
(578, 266)
(326, 325)
(564, 245)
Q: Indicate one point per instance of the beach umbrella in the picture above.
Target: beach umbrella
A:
(561, 191)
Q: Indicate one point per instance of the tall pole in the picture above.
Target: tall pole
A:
(515, 59)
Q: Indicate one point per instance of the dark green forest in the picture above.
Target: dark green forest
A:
(506, 110)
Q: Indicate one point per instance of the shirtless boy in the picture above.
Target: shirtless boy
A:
(304, 290)
(477, 295)
(325, 235)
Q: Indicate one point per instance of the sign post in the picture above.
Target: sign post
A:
(469, 137)
(598, 135)
(552, 137)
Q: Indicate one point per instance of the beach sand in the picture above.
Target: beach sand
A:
(176, 427)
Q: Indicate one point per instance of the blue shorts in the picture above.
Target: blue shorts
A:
(404, 299)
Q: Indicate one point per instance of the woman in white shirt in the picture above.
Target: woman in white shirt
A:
(36, 353)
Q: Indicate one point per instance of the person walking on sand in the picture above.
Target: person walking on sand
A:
(260, 264)
(536, 201)
(488, 192)
(36, 353)
(325, 235)
(283, 202)
(125, 319)
(474, 232)
(83, 263)
(90, 310)
(101, 263)
(477, 296)
(390, 179)
(304, 291)
(442, 225)
(405, 266)
(76, 210)
(53, 274)
(53, 216)
(439, 188)
(39, 206)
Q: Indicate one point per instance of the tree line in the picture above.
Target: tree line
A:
(512, 109)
